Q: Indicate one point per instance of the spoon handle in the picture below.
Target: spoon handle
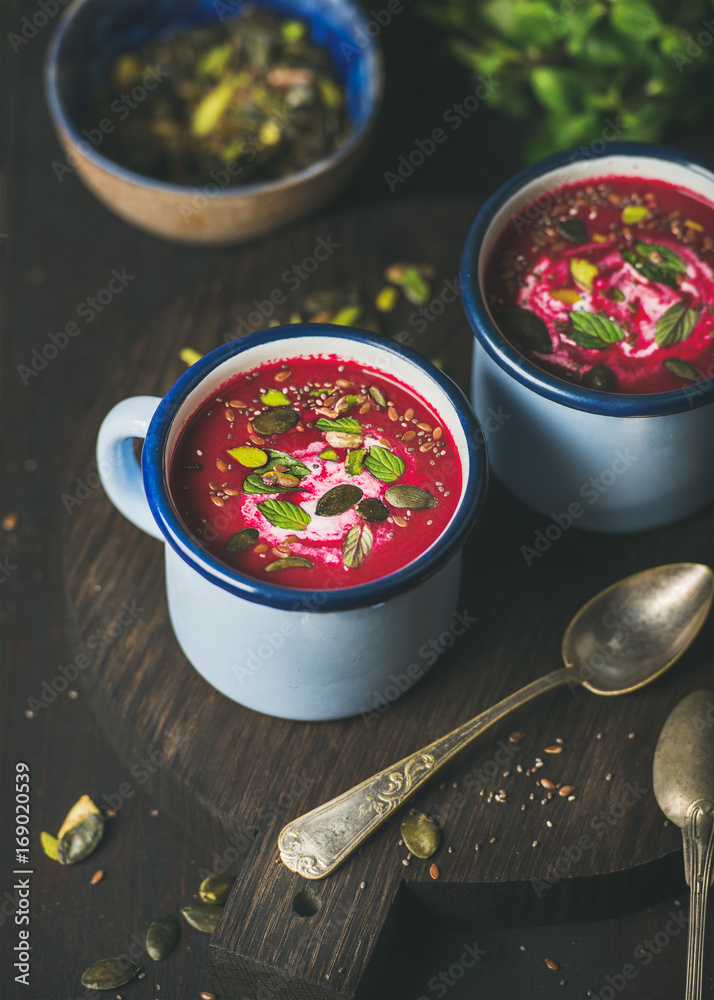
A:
(315, 844)
(698, 836)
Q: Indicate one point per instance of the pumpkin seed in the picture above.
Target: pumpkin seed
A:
(573, 230)
(372, 509)
(528, 330)
(79, 842)
(242, 539)
(276, 421)
(338, 500)
(600, 377)
(290, 562)
(110, 973)
(79, 811)
(354, 461)
(377, 395)
(162, 937)
(420, 834)
(216, 888)
(410, 496)
(202, 916)
(357, 545)
(274, 397)
(632, 214)
(49, 845)
(583, 271)
(329, 455)
(251, 458)
(682, 369)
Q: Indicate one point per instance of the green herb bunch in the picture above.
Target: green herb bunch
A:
(640, 64)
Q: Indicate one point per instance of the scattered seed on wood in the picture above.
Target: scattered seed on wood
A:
(10, 521)
(208, 996)
(97, 877)
(523, 947)
(162, 937)
(551, 964)
(405, 862)
(571, 798)
(492, 840)
(631, 736)
(516, 737)
(154, 812)
(553, 749)
(608, 777)
(363, 885)
(566, 790)
(434, 871)
(73, 695)
(546, 783)
(534, 844)
(110, 973)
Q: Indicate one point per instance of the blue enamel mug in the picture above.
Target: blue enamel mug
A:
(307, 654)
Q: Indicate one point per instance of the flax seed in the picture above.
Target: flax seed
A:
(229, 414)
(365, 407)
(281, 550)
(213, 486)
(408, 413)
(10, 521)
(227, 491)
(427, 446)
(283, 375)
(385, 444)
(566, 790)
(256, 439)
(437, 433)
(343, 383)
(547, 784)
(401, 521)
(392, 413)
(259, 549)
(425, 427)
(221, 465)
(292, 538)
(553, 749)
(409, 436)
(97, 877)
(516, 737)
(238, 404)
(208, 996)
(552, 965)
(434, 871)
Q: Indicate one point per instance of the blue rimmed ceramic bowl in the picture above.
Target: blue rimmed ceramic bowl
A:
(91, 33)
(599, 460)
(307, 655)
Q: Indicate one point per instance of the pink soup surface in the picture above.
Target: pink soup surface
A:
(610, 285)
(315, 473)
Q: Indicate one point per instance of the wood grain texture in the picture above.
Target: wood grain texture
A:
(234, 777)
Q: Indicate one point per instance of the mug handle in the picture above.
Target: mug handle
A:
(119, 470)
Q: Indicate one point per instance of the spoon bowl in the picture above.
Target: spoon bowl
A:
(622, 639)
(683, 781)
(629, 634)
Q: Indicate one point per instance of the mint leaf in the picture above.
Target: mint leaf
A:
(384, 465)
(676, 324)
(293, 465)
(348, 424)
(357, 545)
(653, 272)
(284, 514)
(254, 484)
(670, 260)
(593, 331)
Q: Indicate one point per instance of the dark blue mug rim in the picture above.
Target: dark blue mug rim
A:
(374, 80)
(525, 371)
(345, 598)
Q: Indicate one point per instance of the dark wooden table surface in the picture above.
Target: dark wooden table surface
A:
(59, 246)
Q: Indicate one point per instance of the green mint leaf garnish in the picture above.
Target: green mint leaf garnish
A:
(676, 324)
(383, 464)
(284, 514)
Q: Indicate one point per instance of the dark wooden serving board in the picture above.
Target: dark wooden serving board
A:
(234, 777)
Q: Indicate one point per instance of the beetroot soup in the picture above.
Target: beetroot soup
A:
(610, 286)
(315, 473)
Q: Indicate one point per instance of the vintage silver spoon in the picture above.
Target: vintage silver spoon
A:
(683, 778)
(619, 641)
